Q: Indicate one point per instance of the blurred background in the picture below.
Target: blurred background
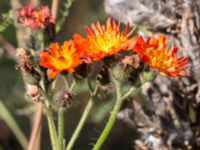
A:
(82, 12)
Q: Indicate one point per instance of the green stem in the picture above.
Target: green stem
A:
(51, 124)
(52, 129)
(118, 105)
(83, 119)
(133, 90)
(112, 118)
(49, 114)
(80, 124)
(118, 89)
(71, 88)
(61, 128)
(8, 118)
(109, 125)
(66, 82)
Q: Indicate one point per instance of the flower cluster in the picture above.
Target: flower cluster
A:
(30, 17)
(107, 40)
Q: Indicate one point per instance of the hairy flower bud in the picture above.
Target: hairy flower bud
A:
(125, 67)
(34, 93)
(25, 64)
(120, 73)
(133, 64)
(63, 98)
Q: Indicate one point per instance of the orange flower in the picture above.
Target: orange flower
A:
(59, 59)
(154, 52)
(103, 40)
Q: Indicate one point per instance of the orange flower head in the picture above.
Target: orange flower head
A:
(155, 53)
(103, 40)
(59, 59)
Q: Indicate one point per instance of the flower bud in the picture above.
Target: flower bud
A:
(63, 98)
(126, 67)
(119, 73)
(26, 65)
(34, 93)
(134, 65)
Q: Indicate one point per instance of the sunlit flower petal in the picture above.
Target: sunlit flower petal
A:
(59, 59)
(103, 40)
(155, 53)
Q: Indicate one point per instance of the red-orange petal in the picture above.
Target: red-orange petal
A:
(153, 51)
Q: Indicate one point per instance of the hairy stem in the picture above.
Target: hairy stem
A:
(49, 114)
(133, 90)
(52, 129)
(112, 118)
(80, 125)
(82, 120)
(61, 128)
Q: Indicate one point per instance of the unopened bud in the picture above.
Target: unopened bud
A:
(25, 64)
(119, 73)
(63, 98)
(34, 93)
(126, 67)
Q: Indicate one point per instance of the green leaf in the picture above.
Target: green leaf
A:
(7, 20)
